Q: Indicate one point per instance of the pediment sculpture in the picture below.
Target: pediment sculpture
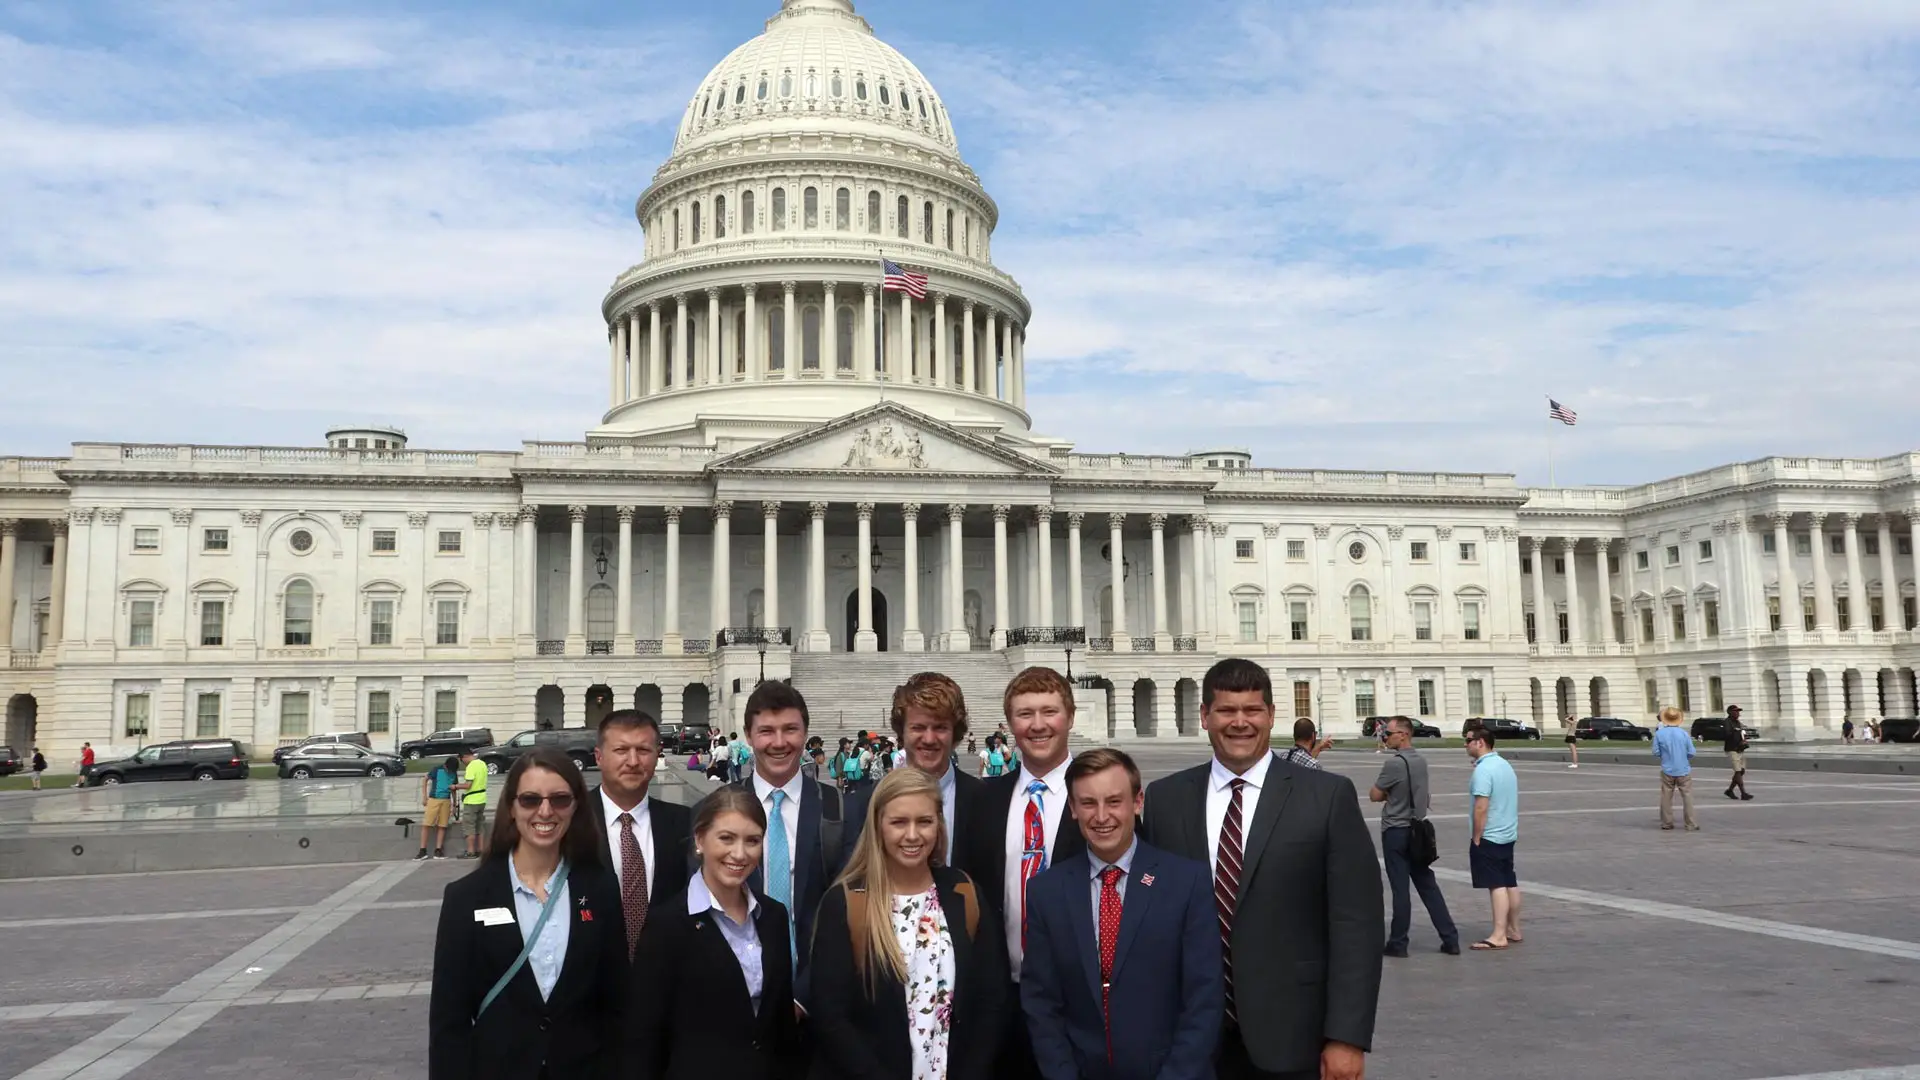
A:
(881, 446)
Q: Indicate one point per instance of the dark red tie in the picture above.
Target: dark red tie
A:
(633, 882)
(1226, 886)
(1109, 937)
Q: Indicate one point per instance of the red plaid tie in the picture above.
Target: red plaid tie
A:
(633, 882)
(1226, 886)
(1033, 849)
(1109, 937)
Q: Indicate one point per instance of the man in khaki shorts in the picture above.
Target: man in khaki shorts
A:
(436, 795)
(1736, 748)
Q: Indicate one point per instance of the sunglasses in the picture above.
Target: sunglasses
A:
(559, 800)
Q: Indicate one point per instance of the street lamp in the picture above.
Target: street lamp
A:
(763, 657)
(1069, 661)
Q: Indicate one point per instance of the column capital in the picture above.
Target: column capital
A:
(653, 306)
(1196, 522)
(1220, 530)
(956, 511)
(911, 511)
(1735, 525)
(625, 513)
(1569, 543)
(1075, 519)
(673, 514)
(418, 520)
(1443, 532)
(1116, 520)
(789, 287)
(1320, 532)
(865, 510)
(1043, 513)
(829, 286)
(528, 512)
(59, 526)
(1819, 518)
(1913, 516)
(110, 515)
(1271, 531)
(576, 514)
(247, 517)
(480, 520)
(350, 518)
(723, 511)
(1158, 522)
(1000, 512)
(868, 289)
(1536, 544)
(84, 516)
(816, 510)
(751, 289)
(9, 527)
(633, 313)
(1395, 533)
(1781, 519)
(680, 298)
(1848, 520)
(967, 306)
(770, 509)
(1719, 528)
(713, 293)
(181, 515)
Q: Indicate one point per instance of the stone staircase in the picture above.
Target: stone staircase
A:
(849, 691)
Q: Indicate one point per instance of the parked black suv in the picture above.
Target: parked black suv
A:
(446, 743)
(1501, 729)
(1609, 727)
(576, 743)
(1900, 729)
(10, 761)
(1714, 729)
(182, 759)
(680, 739)
(357, 738)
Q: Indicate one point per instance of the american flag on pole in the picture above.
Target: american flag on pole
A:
(897, 279)
(1557, 411)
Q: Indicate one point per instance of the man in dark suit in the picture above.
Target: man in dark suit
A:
(1024, 827)
(1296, 884)
(1121, 978)
(929, 717)
(647, 841)
(800, 856)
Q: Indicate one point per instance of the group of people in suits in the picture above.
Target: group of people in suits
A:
(1058, 921)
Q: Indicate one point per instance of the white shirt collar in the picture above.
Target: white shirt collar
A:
(1055, 779)
(764, 791)
(1124, 862)
(1256, 776)
(700, 899)
(612, 809)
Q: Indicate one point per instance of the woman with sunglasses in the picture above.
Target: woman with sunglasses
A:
(530, 965)
(712, 994)
(909, 975)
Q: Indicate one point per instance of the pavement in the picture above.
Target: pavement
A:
(1780, 941)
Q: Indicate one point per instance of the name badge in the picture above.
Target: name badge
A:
(493, 916)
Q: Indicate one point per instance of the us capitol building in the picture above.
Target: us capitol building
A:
(801, 475)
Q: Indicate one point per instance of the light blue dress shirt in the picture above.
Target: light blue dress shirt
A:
(549, 953)
(1674, 748)
(1493, 778)
(743, 939)
(1125, 863)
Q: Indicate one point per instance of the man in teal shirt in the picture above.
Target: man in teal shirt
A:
(1674, 748)
(1496, 827)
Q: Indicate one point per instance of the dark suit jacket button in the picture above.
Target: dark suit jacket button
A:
(756, 1044)
(546, 1023)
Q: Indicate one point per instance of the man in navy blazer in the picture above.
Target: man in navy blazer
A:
(1122, 974)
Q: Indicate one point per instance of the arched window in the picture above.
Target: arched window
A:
(923, 108)
(676, 229)
(776, 339)
(1360, 613)
(966, 233)
(885, 97)
(860, 88)
(779, 209)
(706, 103)
(926, 224)
(786, 84)
(740, 94)
(813, 85)
(760, 94)
(836, 87)
(746, 213)
(740, 343)
(843, 210)
(297, 614)
(719, 217)
(810, 339)
(873, 212)
(949, 230)
(696, 223)
(903, 210)
(810, 205)
(843, 341)
(959, 358)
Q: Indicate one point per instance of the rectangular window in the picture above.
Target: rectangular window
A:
(1646, 624)
(1684, 692)
(1619, 625)
(1559, 565)
(1249, 621)
(1639, 560)
(1903, 545)
(1706, 551)
(1679, 622)
(1360, 615)
(1806, 612)
(1837, 544)
(1716, 694)
(446, 709)
(1303, 699)
(387, 540)
(1773, 613)
(139, 715)
(1476, 697)
(379, 712)
(1417, 551)
(1533, 632)
(1363, 697)
(1652, 690)
(140, 624)
(1426, 697)
(1243, 549)
(1469, 551)
(1766, 543)
(206, 716)
(1526, 564)
(213, 622)
(1870, 543)
(1563, 627)
(1297, 615)
(1842, 613)
(449, 541)
(1673, 554)
(446, 623)
(1296, 551)
(1423, 621)
(1802, 544)
(1908, 612)
(213, 540)
(380, 623)
(1470, 620)
(1876, 613)
(146, 538)
(1613, 564)
(1710, 618)
(295, 715)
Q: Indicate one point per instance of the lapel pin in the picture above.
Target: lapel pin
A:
(585, 915)
(1146, 879)
(583, 901)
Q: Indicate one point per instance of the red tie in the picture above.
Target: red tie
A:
(1109, 937)
(633, 882)
(1033, 849)
(1226, 887)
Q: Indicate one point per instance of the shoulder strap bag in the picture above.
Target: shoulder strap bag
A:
(1425, 849)
(554, 889)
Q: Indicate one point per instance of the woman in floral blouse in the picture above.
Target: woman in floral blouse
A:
(909, 972)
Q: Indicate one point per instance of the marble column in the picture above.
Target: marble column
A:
(1571, 546)
(1822, 580)
(968, 375)
(576, 575)
(1605, 602)
(770, 566)
(1789, 583)
(1007, 380)
(616, 357)
(865, 640)
(1019, 342)
(942, 363)
(636, 368)
(623, 582)
(1001, 608)
(57, 603)
(1543, 621)
(911, 639)
(829, 330)
(721, 602)
(867, 359)
(1076, 588)
(1913, 557)
(670, 641)
(525, 560)
(958, 637)
(1122, 641)
(1202, 627)
(750, 348)
(9, 556)
(656, 355)
(818, 640)
(1857, 617)
(716, 374)
(790, 331)
(1162, 636)
(682, 344)
(1891, 617)
(909, 368)
(1043, 518)
(990, 369)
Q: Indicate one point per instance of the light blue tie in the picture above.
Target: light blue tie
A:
(780, 870)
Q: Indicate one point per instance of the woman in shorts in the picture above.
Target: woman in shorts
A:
(1573, 744)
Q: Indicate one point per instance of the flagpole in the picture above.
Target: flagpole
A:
(1550, 433)
(880, 346)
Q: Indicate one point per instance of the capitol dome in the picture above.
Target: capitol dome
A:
(804, 159)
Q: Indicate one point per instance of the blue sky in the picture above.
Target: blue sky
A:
(1358, 234)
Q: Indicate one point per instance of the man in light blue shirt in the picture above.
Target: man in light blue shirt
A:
(1674, 748)
(1496, 828)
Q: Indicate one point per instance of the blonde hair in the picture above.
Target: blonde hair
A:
(1671, 715)
(866, 878)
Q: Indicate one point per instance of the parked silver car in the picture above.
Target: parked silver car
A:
(338, 759)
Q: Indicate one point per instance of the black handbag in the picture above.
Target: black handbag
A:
(1424, 850)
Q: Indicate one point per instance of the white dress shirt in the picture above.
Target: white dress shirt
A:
(946, 811)
(642, 831)
(1219, 794)
(1052, 805)
(789, 820)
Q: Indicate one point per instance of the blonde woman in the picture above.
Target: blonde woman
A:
(909, 970)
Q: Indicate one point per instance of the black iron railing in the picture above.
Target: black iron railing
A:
(646, 647)
(1144, 643)
(1186, 644)
(1047, 635)
(551, 648)
(599, 648)
(751, 636)
(1100, 644)
(696, 646)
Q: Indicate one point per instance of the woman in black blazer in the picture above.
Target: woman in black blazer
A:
(558, 1015)
(712, 992)
(909, 969)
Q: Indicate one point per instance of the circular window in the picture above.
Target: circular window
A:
(301, 541)
(1356, 551)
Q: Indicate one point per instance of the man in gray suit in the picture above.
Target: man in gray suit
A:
(1296, 888)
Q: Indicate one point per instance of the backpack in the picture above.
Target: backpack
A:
(857, 918)
(995, 763)
(442, 783)
(850, 766)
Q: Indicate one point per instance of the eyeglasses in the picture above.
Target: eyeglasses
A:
(559, 800)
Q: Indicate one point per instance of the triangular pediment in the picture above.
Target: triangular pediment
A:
(887, 438)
